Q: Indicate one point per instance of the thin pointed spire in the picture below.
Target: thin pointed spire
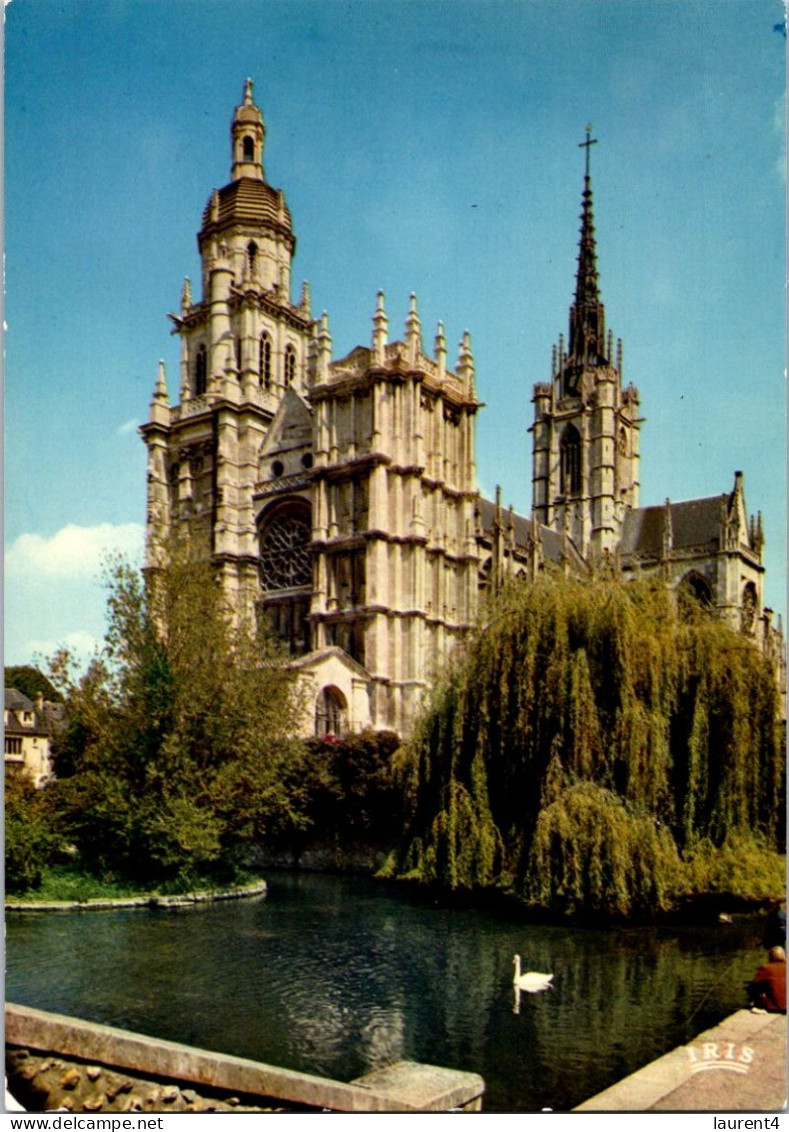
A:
(587, 343)
(248, 93)
(324, 345)
(160, 389)
(465, 366)
(380, 329)
(441, 351)
(413, 331)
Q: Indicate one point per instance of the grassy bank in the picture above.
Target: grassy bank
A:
(69, 884)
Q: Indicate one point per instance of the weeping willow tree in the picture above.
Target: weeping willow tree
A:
(600, 747)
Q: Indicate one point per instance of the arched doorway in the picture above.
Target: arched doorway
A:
(331, 713)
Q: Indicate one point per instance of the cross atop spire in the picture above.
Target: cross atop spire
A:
(248, 99)
(587, 145)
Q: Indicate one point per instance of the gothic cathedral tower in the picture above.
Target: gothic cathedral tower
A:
(335, 499)
(585, 448)
(243, 344)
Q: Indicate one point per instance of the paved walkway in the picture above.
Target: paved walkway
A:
(738, 1066)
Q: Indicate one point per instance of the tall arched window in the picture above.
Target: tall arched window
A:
(201, 372)
(694, 594)
(749, 607)
(265, 361)
(252, 253)
(286, 573)
(249, 148)
(290, 365)
(570, 461)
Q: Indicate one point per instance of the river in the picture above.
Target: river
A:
(338, 975)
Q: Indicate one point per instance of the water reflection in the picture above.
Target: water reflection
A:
(339, 976)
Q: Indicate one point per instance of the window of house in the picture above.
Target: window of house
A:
(13, 745)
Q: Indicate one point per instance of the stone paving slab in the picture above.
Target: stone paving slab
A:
(739, 1065)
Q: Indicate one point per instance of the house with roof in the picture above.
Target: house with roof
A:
(28, 729)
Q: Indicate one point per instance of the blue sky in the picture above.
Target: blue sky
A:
(422, 145)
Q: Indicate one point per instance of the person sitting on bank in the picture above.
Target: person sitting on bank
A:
(768, 986)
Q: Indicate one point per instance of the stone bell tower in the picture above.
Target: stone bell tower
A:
(585, 435)
(243, 344)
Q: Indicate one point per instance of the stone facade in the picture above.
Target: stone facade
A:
(338, 498)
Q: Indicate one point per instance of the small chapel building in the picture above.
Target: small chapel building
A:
(337, 498)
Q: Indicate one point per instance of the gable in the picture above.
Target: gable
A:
(291, 428)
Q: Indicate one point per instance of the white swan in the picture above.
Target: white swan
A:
(532, 981)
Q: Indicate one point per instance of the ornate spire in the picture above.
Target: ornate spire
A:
(380, 330)
(465, 364)
(248, 135)
(413, 331)
(587, 342)
(160, 389)
(441, 351)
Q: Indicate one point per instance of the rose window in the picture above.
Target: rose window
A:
(284, 553)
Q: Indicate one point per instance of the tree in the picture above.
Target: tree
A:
(29, 681)
(30, 837)
(179, 747)
(597, 745)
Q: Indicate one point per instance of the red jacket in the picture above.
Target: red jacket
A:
(769, 987)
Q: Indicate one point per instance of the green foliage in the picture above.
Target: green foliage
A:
(29, 681)
(352, 790)
(592, 736)
(30, 842)
(177, 751)
(69, 882)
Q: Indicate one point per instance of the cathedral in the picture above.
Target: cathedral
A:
(337, 498)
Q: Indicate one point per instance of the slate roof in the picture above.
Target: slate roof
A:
(551, 541)
(694, 522)
(15, 704)
(487, 515)
(17, 701)
(50, 720)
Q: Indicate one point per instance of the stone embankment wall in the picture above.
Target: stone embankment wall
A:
(86, 1063)
(43, 1083)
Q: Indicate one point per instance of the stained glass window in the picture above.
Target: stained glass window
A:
(284, 552)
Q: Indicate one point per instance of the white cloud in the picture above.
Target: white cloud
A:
(128, 427)
(73, 551)
(80, 644)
